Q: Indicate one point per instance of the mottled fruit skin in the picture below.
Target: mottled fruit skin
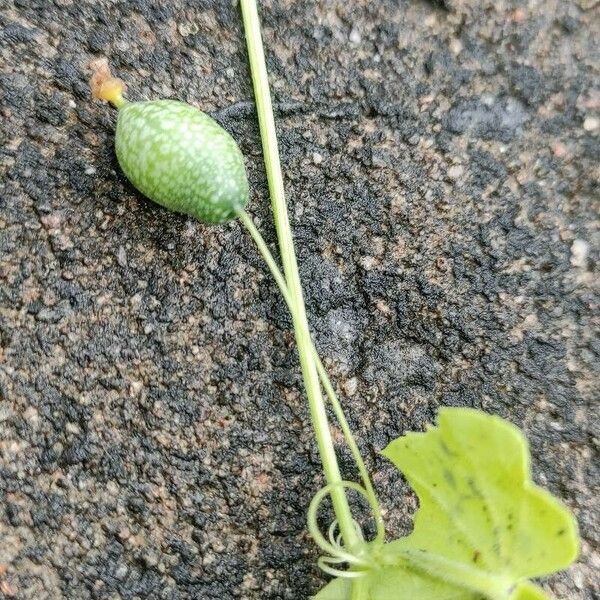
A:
(182, 159)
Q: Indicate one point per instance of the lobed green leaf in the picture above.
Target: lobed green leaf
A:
(483, 527)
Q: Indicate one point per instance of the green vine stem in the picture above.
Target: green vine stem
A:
(370, 495)
(288, 257)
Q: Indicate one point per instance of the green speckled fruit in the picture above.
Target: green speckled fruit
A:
(182, 159)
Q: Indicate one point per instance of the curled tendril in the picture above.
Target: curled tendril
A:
(362, 469)
(333, 545)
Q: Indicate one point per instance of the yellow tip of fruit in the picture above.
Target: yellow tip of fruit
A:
(104, 85)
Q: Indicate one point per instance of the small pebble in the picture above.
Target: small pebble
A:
(135, 387)
(317, 158)
(591, 123)
(455, 172)
(456, 46)
(186, 29)
(519, 15)
(31, 414)
(350, 386)
(121, 257)
(121, 572)
(71, 427)
(112, 488)
(579, 253)
(5, 413)
(52, 221)
(7, 589)
(559, 150)
(150, 559)
(355, 37)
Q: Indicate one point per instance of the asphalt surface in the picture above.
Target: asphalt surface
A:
(442, 169)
